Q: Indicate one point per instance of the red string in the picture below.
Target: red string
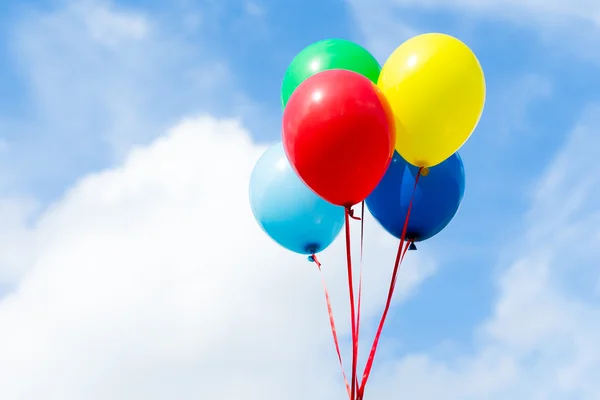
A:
(402, 248)
(348, 214)
(362, 236)
(332, 323)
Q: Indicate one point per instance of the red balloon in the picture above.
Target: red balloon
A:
(339, 135)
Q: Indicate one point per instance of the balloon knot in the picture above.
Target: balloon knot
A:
(412, 246)
(424, 171)
(313, 258)
(351, 214)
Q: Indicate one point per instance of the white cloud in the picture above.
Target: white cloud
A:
(383, 29)
(571, 26)
(545, 13)
(253, 8)
(510, 105)
(100, 77)
(587, 10)
(541, 342)
(111, 28)
(14, 238)
(152, 280)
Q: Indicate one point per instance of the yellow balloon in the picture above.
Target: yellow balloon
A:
(436, 88)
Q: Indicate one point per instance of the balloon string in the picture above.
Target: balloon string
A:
(314, 259)
(347, 215)
(362, 240)
(402, 249)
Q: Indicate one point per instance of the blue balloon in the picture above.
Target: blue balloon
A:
(287, 210)
(436, 201)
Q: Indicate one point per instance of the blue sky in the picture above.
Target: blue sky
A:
(84, 83)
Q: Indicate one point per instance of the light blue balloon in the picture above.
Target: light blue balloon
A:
(287, 210)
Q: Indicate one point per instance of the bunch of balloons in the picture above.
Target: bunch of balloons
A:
(355, 132)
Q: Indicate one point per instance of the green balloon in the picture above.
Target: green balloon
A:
(325, 55)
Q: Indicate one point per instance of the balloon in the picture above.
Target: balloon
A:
(325, 55)
(339, 135)
(436, 88)
(436, 201)
(287, 210)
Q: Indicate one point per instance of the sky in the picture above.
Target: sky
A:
(131, 266)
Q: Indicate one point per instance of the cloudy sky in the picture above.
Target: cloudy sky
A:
(131, 266)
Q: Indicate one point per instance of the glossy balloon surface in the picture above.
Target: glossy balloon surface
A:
(339, 135)
(436, 201)
(436, 87)
(326, 55)
(287, 210)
